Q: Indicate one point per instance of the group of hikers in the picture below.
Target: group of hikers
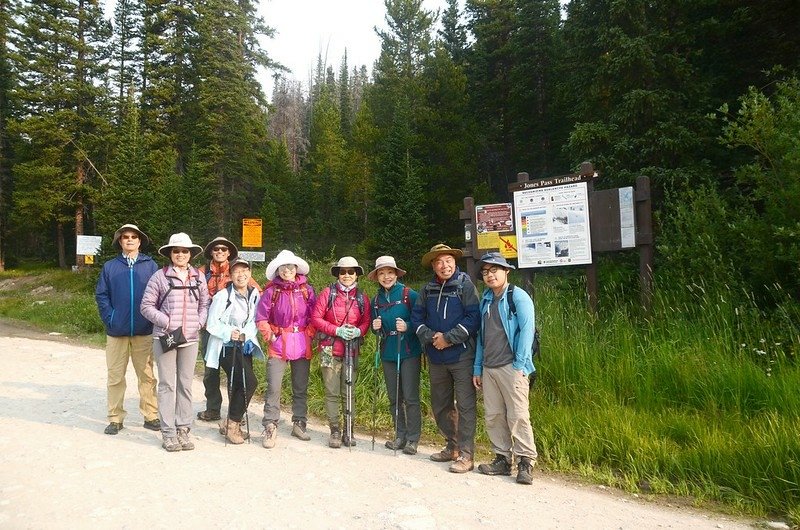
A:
(471, 344)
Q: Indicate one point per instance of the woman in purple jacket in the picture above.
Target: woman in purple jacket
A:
(282, 317)
(176, 295)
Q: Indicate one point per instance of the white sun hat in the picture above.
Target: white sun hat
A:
(286, 257)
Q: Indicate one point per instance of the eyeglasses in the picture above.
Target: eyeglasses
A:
(490, 270)
(219, 249)
(180, 250)
(129, 236)
(349, 272)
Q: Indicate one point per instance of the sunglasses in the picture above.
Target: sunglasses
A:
(287, 268)
(130, 236)
(219, 249)
(180, 250)
(349, 272)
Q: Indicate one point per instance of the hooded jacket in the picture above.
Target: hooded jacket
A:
(452, 309)
(519, 329)
(119, 293)
(185, 305)
(284, 317)
(219, 327)
(344, 310)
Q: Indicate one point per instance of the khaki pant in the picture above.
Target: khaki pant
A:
(508, 416)
(334, 380)
(139, 349)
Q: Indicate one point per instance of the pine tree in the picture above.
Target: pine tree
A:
(453, 33)
(126, 45)
(6, 156)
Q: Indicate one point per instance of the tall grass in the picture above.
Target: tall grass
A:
(700, 397)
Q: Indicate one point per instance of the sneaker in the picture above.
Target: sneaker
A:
(171, 444)
(299, 431)
(396, 444)
(184, 440)
(153, 425)
(335, 439)
(270, 435)
(445, 455)
(462, 465)
(114, 428)
(525, 470)
(410, 448)
(500, 466)
(209, 415)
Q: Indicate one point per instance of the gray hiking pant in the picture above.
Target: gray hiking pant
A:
(272, 397)
(408, 422)
(454, 404)
(175, 374)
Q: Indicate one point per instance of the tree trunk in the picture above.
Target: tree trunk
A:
(62, 254)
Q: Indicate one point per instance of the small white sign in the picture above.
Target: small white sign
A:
(258, 257)
(627, 218)
(88, 245)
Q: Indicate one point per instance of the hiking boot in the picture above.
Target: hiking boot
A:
(171, 444)
(445, 455)
(410, 448)
(461, 465)
(184, 440)
(396, 444)
(153, 425)
(299, 431)
(349, 441)
(335, 439)
(500, 466)
(209, 415)
(525, 470)
(270, 435)
(114, 428)
(233, 431)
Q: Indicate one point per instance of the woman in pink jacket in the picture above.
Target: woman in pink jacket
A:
(283, 318)
(341, 318)
(176, 296)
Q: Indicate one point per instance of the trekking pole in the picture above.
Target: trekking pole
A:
(230, 391)
(397, 397)
(240, 347)
(348, 381)
(375, 392)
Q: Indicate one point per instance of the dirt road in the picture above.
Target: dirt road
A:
(60, 471)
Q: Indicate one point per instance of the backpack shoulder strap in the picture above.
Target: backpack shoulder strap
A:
(171, 287)
(512, 307)
(406, 298)
(331, 295)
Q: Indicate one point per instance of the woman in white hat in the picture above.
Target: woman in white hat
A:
(176, 297)
(283, 317)
(400, 352)
(341, 317)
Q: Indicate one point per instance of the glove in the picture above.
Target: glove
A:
(354, 333)
(343, 332)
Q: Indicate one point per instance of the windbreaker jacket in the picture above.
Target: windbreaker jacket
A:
(119, 293)
(519, 329)
(345, 310)
(389, 306)
(180, 307)
(220, 328)
(452, 309)
(218, 277)
(284, 318)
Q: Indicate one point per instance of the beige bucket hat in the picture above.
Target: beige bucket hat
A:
(181, 239)
(385, 261)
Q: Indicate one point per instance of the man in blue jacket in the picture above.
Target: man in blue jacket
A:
(503, 362)
(446, 320)
(128, 334)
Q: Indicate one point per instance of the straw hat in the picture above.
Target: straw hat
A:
(182, 240)
(347, 262)
(130, 228)
(233, 251)
(385, 261)
(438, 250)
(286, 257)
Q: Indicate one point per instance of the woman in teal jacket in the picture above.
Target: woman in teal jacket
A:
(400, 352)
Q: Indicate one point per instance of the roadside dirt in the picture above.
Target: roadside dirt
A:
(59, 470)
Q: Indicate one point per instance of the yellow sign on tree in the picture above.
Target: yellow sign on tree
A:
(251, 233)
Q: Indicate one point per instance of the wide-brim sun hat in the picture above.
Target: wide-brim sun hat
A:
(385, 261)
(181, 239)
(130, 228)
(495, 258)
(438, 250)
(286, 257)
(347, 262)
(233, 252)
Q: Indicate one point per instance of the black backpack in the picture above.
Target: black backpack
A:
(536, 346)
